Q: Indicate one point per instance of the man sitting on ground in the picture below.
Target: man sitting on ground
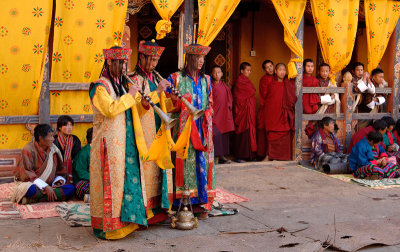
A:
(369, 159)
(324, 140)
(378, 125)
(41, 171)
(80, 172)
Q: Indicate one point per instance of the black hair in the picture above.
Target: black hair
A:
(326, 121)
(389, 121)
(42, 130)
(243, 65)
(215, 66)
(280, 64)
(106, 68)
(379, 125)
(356, 64)
(307, 61)
(265, 62)
(139, 70)
(89, 135)
(397, 127)
(324, 65)
(376, 71)
(375, 137)
(64, 120)
(190, 59)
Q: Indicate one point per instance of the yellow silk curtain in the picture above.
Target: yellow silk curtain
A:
(212, 17)
(81, 31)
(24, 31)
(336, 25)
(290, 13)
(381, 18)
(166, 8)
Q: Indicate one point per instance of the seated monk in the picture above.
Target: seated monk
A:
(378, 125)
(41, 172)
(324, 140)
(80, 171)
(369, 159)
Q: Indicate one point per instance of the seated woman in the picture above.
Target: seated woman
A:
(389, 140)
(369, 159)
(40, 171)
(80, 172)
(323, 142)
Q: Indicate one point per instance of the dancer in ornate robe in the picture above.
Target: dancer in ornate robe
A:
(68, 144)
(279, 106)
(116, 200)
(197, 171)
(157, 183)
(262, 142)
(244, 115)
(40, 173)
(223, 124)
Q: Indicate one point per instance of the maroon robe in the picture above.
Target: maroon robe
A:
(325, 83)
(244, 111)
(358, 136)
(262, 144)
(223, 118)
(280, 107)
(310, 101)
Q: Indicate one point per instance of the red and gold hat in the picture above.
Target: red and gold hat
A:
(197, 49)
(150, 48)
(117, 52)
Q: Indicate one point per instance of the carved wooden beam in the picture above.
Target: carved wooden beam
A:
(76, 118)
(62, 86)
(317, 117)
(33, 119)
(322, 90)
(369, 116)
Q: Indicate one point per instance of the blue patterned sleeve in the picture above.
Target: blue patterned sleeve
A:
(168, 90)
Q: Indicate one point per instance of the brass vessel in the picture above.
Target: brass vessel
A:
(184, 219)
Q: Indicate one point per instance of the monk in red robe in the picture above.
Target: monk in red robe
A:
(223, 118)
(244, 112)
(310, 101)
(378, 125)
(280, 107)
(262, 144)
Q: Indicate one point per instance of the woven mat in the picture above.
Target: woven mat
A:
(8, 210)
(225, 197)
(75, 215)
(349, 178)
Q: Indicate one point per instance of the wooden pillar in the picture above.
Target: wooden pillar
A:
(299, 105)
(347, 107)
(185, 30)
(396, 78)
(44, 98)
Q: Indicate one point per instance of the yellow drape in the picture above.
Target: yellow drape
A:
(24, 31)
(81, 31)
(381, 18)
(212, 17)
(336, 25)
(166, 8)
(290, 13)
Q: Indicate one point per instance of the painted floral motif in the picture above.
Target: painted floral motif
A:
(100, 23)
(330, 41)
(110, 6)
(26, 67)
(316, 21)
(89, 40)
(379, 21)
(35, 84)
(200, 34)
(26, 136)
(87, 75)
(331, 13)
(388, 35)
(98, 58)
(321, 6)
(26, 31)
(3, 138)
(14, 12)
(37, 12)
(292, 20)
(55, 93)
(90, 5)
(387, 20)
(338, 27)
(356, 12)
(371, 34)
(69, 4)
(3, 31)
(202, 3)
(67, 75)
(25, 102)
(109, 41)
(3, 68)
(396, 7)
(349, 27)
(119, 3)
(3, 104)
(117, 36)
(57, 57)
(68, 40)
(372, 6)
(37, 49)
(86, 108)
(66, 108)
(58, 22)
(163, 4)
